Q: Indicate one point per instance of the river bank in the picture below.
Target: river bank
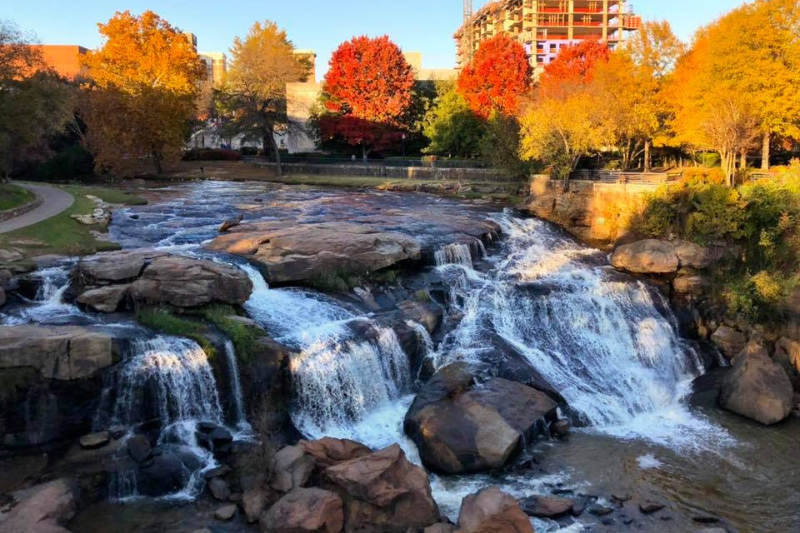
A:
(513, 297)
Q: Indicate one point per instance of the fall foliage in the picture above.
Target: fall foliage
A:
(496, 78)
(143, 92)
(367, 94)
(253, 101)
(573, 67)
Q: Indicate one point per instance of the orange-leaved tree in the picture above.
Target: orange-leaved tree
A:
(496, 78)
(144, 84)
(367, 94)
(573, 67)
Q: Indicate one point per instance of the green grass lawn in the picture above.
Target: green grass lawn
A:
(63, 235)
(12, 196)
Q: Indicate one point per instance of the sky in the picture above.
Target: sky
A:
(425, 26)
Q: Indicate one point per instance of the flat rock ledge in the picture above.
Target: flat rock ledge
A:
(300, 252)
(57, 352)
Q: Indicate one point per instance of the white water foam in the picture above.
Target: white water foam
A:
(453, 254)
(236, 389)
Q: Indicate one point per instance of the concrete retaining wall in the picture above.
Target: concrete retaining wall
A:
(21, 210)
(376, 171)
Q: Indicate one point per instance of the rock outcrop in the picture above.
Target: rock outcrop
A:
(460, 426)
(57, 352)
(649, 256)
(43, 508)
(384, 492)
(305, 510)
(729, 341)
(291, 469)
(104, 282)
(328, 451)
(757, 387)
(300, 252)
(492, 511)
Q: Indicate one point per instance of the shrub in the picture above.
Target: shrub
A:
(74, 161)
(164, 321)
(336, 281)
(211, 154)
(244, 337)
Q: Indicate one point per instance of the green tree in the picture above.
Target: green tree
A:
(34, 103)
(255, 95)
(501, 144)
(453, 128)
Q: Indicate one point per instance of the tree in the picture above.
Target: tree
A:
(500, 144)
(753, 50)
(573, 67)
(255, 96)
(561, 131)
(143, 92)
(496, 78)
(453, 129)
(34, 103)
(731, 129)
(367, 94)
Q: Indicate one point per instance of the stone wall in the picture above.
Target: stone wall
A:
(21, 210)
(593, 211)
(378, 171)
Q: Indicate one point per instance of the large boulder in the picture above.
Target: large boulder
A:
(43, 508)
(112, 267)
(305, 510)
(57, 352)
(729, 341)
(460, 426)
(757, 387)
(650, 256)
(492, 511)
(186, 282)
(546, 506)
(383, 492)
(104, 299)
(693, 255)
(329, 451)
(299, 252)
(291, 469)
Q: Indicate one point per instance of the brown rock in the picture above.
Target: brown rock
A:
(546, 506)
(492, 511)
(298, 252)
(94, 441)
(787, 354)
(2, 297)
(691, 284)
(650, 507)
(9, 256)
(650, 256)
(254, 502)
(225, 512)
(384, 492)
(44, 508)
(440, 528)
(58, 352)
(186, 282)
(230, 223)
(305, 510)
(291, 469)
(461, 427)
(428, 314)
(329, 451)
(113, 267)
(729, 341)
(219, 489)
(104, 299)
(757, 387)
(692, 255)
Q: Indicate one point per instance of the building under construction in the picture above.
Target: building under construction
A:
(544, 26)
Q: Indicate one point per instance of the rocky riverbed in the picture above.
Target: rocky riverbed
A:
(332, 360)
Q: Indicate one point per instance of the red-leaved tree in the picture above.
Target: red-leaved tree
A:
(367, 94)
(496, 78)
(573, 67)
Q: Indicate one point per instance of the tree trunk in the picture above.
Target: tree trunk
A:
(268, 140)
(157, 165)
(743, 160)
(765, 152)
(647, 163)
(364, 154)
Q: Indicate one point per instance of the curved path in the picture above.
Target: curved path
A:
(54, 201)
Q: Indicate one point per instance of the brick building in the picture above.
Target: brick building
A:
(64, 59)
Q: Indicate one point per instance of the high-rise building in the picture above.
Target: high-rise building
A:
(65, 59)
(544, 26)
(215, 66)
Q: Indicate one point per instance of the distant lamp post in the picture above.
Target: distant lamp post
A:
(404, 145)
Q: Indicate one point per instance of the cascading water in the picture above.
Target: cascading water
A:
(49, 302)
(597, 337)
(168, 379)
(338, 378)
(453, 254)
(236, 388)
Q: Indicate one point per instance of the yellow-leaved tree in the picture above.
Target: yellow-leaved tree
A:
(142, 95)
(744, 66)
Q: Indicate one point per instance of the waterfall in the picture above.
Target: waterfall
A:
(49, 301)
(595, 335)
(423, 336)
(339, 376)
(167, 378)
(236, 387)
(453, 254)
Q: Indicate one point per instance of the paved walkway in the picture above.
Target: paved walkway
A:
(54, 201)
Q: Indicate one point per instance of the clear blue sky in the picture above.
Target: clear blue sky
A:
(416, 25)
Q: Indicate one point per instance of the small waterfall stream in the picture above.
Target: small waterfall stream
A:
(345, 366)
(236, 388)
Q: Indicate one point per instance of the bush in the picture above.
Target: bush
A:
(74, 161)
(243, 337)
(211, 154)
